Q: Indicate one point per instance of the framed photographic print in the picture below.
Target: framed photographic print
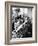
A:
(20, 22)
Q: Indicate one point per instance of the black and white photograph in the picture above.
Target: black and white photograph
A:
(21, 22)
